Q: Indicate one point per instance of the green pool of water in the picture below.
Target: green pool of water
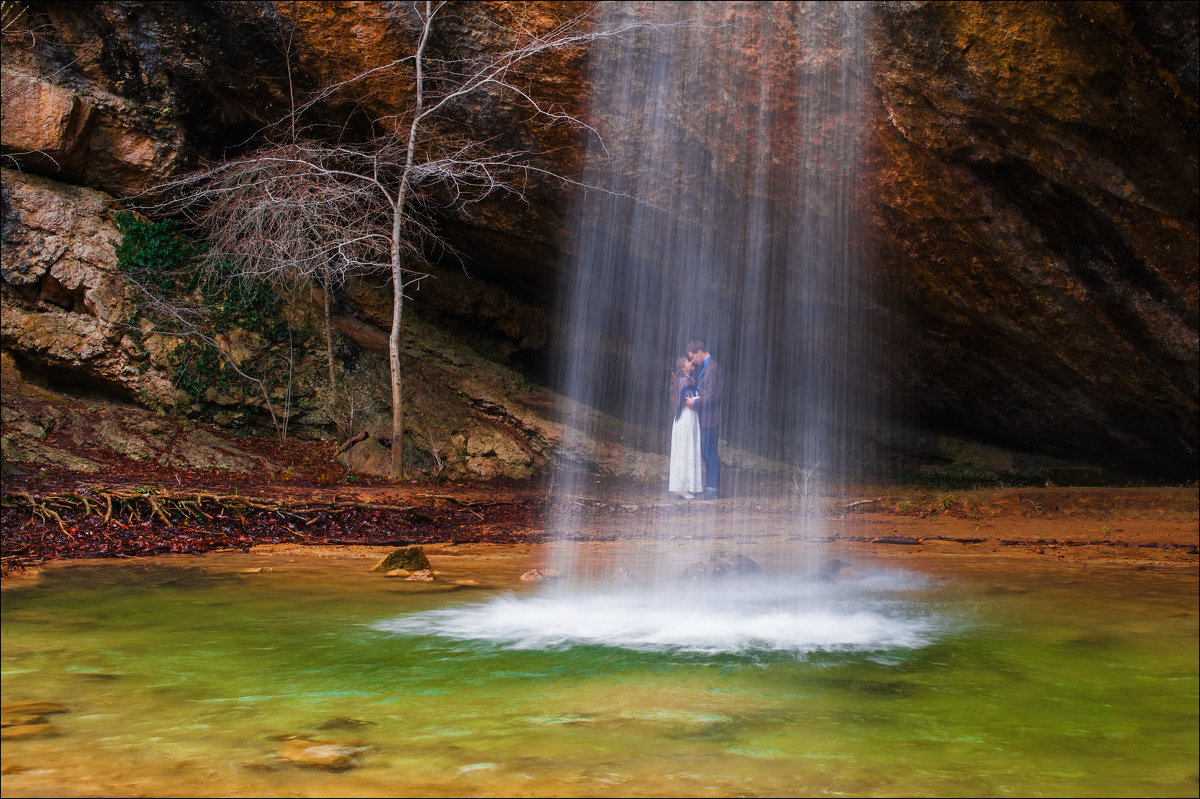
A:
(181, 680)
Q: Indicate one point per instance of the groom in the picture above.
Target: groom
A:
(708, 408)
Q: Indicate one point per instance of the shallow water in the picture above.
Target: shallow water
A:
(1027, 680)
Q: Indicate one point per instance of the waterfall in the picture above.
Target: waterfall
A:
(723, 205)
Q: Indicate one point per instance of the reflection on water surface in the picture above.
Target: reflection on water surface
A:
(187, 680)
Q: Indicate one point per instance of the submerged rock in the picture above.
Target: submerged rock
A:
(344, 723)
(24, 713)
(410, 559)
(329, 756)
(537, 575)
(722, 565)
(624, 576)
(23, 731)
(835, 570)
(24, 720)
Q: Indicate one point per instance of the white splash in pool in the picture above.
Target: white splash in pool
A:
(762, 615)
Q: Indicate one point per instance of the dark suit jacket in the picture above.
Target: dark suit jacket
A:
(708, 405)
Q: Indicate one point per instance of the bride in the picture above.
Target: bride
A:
(686, 474)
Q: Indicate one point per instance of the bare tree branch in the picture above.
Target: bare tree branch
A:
(187, 323)
(311, 211)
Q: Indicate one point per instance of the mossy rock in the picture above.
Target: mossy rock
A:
(410, 558)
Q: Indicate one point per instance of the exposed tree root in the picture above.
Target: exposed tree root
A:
(103, 520)
(42, 510)
(136, 505)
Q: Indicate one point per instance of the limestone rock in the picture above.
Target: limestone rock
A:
(1034, 196)
(23, 450)
(44, 428)
(200, 449)
(65, 306)
(41, 117)
(111, 435)
(88, 134)
(625, 576)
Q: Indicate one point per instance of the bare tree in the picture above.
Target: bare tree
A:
(288, 214)
(317, 211)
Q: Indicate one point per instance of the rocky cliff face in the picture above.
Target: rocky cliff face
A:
(1032, 197)
(1035, 200)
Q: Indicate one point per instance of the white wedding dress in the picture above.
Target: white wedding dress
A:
(687, 471)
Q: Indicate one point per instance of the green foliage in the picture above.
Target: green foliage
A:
(156, 255)
(168, 264)
(248, 303)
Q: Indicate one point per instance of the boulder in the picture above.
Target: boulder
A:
(411, 559)
(835, 570)
(367, 456)
(722, 565)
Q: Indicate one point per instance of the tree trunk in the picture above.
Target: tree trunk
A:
(394, 338)
(329, 341)
(398, 211)
(394, 364)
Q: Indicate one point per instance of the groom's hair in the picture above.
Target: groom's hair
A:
(695, 345)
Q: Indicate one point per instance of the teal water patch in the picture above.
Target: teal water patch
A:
(1057, 685)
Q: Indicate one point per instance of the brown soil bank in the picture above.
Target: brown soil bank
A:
(57, 513)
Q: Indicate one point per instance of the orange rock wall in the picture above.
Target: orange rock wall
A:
(1032, 183)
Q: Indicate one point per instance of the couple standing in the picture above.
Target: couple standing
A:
(695, 471)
